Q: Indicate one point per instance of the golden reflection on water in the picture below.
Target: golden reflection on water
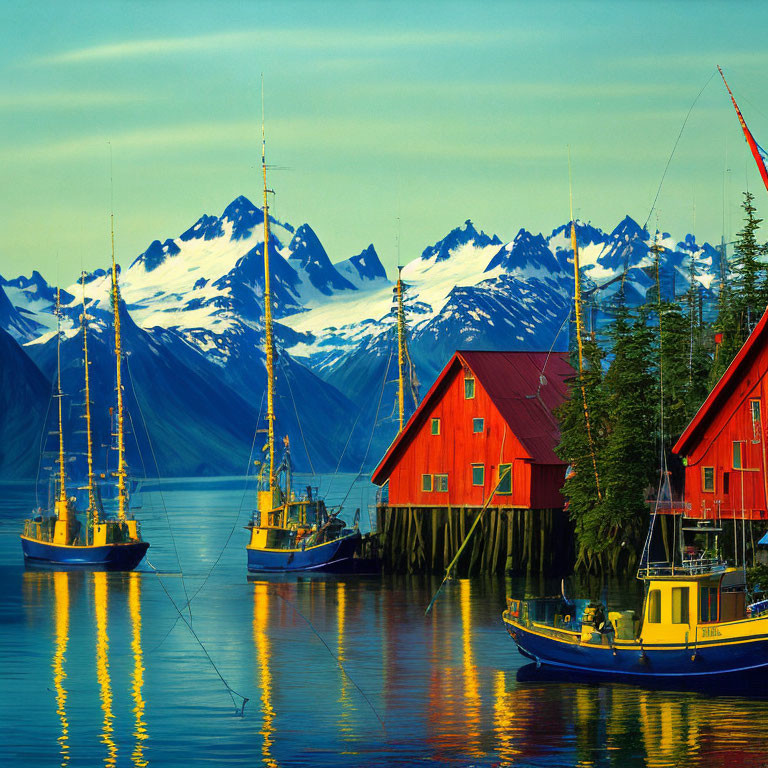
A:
(137, 678)
(345, 726)
(100, 595)
(472, 700)
(61, 594)
(261, 641)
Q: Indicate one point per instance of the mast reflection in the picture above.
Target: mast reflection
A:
(261, 642)
(61, 596)
(100, 595)
(137, 677)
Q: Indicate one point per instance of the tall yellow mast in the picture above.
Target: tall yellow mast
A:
(577, 310)
(62, 508)
(122, 500)
(400, 348)
(93, 511)
(268, 343)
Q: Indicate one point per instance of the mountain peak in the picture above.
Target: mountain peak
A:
(467, 233)
(308, 252)
(527, 252)
(628, 229)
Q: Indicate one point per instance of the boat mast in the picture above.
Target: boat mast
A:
(577, 310)
(268, 342)
(62, 500)
(92, 508)
(121, 470)
(400, 348)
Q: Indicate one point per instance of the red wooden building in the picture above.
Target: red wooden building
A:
(724, 447)
(485, 411)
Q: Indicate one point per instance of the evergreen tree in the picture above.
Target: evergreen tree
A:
(629, 456)
(749, 269)
(582, 454)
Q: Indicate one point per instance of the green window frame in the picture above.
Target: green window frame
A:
(469, 387)
(426, 483)
(478, 425)
(708, 479)
(478, 474)
(435, 426)
(440, 483)
(737, 455)
(754, 410)
(505, 486)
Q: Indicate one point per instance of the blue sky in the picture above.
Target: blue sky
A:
(427, 112)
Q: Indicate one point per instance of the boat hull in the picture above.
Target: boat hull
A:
(332, 555)
(634, 663)
(112, 557)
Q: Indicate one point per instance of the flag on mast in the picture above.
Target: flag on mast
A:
(760, 155)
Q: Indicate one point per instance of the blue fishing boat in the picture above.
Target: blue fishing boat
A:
(100, 541)
(695, 623)
(290, 532)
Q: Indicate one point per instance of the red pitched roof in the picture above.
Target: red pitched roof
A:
(724, 387)
(512, 381)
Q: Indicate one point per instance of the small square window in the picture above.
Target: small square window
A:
(478, 474)
(736, 454)
(469, 388)
(505, 477)
(441, 483)
(426, 482)
(478, 425)
(435, 426)
(708, 479)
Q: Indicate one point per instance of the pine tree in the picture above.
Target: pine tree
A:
(749, 269)
(581, 453)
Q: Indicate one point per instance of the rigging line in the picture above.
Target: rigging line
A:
(502, 477)
(338, 465)
(231, 532)
(159, 485)
(677, 141)
(43, 433)
(552, 346)
(335, 658)
(296, 411)
(231, 691)
(373, 429)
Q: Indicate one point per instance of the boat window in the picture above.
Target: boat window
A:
(679, 605)
(505, 476)
(478, 425)
(736, 454)
(754, 408)
(426, 482)
(708, 603)
(654, 606)
(435, 426)
(478, 474)
(708, 479)
(441, 483)
(469, 388)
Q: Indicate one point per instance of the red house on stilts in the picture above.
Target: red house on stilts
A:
(486, 412)
(724, 447)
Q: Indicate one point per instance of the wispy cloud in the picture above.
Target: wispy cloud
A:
(307, 39)
(33, 101)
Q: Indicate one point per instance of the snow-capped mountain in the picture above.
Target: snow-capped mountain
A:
(193, 306)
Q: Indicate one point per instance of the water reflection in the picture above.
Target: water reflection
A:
(137, 678)
(261, 597)
(61, 592)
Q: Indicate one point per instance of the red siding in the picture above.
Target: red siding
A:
(455, 450)
(714, 448)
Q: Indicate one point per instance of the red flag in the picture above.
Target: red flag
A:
(760, 155)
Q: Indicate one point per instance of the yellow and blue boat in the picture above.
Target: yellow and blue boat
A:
(695, 624)
(100, 541)
(290, 533)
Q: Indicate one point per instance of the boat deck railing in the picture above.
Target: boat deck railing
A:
(695, 567)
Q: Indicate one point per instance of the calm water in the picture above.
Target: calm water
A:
(97, 669)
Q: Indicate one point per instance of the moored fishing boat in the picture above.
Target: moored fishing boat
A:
(100, 541)
(289, 532)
